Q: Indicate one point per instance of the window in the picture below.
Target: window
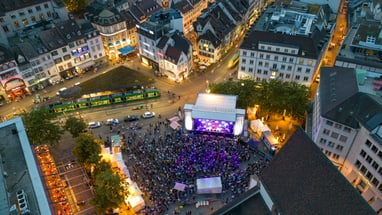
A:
(243, 60)
(339, 147)
(334, 135)
(262, 47)
(299, 69)
(54, 53)
(252, 54)
(328, 153)
(380, 171)
(67, 57)
(13, 16)
(301, 61)
(284, 59)
(276, 58)
(306, 78)
(266, 64)
(343, 138)
(261, 56)
(357, 164)
(283, 67)
(323, 141)
(33, 18)
(375, 165)
(335, 156)
(250, 70)
(16, 24)
(347, 129)
(289, 68)
(286, 50)
(326, 131)
(267, 57)
(57, 61)
(244, 53)
(368, 143)
(21, 14)
(274, 66)
(30, 11)
(307, 70)
(375, 182)
(46, 6)
(369, 159)
(328, 122)
(281, 75)
(287, 76)
(38, 8)
(250, 62)
(374, 149)
(64, 49)
(331, 144)
(310, 62)
(339, 126)
(242, 68)
(297, 77)
(265, 72)
(25, 22)
(363, 169)
(259, 71)
(293, 51)
(291, 60)
(369, 175)
(380, 154)
(5, 29)
(362, 153)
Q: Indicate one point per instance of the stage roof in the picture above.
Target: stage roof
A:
(216, 106)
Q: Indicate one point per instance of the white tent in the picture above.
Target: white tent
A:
(179, 186)
(174, 125)
(136, 202)
(259, 127)
(209, 185)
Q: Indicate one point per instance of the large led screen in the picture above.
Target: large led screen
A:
(217, 126)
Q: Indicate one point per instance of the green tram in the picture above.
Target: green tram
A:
(100, 101)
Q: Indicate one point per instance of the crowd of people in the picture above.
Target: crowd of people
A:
(160, 156)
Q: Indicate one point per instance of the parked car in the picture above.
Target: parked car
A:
(92, 125)
(131, 118)
(147, 115)
(112, 121)
(61, 91)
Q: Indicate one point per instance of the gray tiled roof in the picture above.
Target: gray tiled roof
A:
(305, 44)
(301, 180)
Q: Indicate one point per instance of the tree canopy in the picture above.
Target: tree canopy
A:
(109, 189)
(75, 126)
(87, 150)
(273, 97)
(40, 128)
(75, 5)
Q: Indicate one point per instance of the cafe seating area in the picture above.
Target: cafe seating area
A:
(54, 186)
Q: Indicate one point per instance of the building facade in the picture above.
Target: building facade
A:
(347, 128)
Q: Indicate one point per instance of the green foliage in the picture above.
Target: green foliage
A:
(75, 126)
(109, 190)
(40, 129)
(75, 5)
(87, 150)
(273, 97)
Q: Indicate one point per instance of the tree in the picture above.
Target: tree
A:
(109, 190)
(75, 5)
(273, 97)
(75, 126)
(40, 129)
(87, 150)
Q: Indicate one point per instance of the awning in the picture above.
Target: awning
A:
(118, 42)
(174, 125)
(126, 50)
(86, 65)
(111, 44)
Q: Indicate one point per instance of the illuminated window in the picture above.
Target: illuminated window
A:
(16, 24)
(310, 62)
(25, 22)
(41, 16)
(33, 18)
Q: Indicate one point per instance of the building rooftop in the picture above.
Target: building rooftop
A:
(6, 6)
(19, 169)
(306, 45)
(301, 180)
(51, 39)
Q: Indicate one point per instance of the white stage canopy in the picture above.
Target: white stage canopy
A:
(215, 106)
(209, 185)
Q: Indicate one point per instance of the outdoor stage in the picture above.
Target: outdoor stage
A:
(214, 113)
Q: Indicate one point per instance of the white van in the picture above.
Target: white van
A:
(61, 90)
